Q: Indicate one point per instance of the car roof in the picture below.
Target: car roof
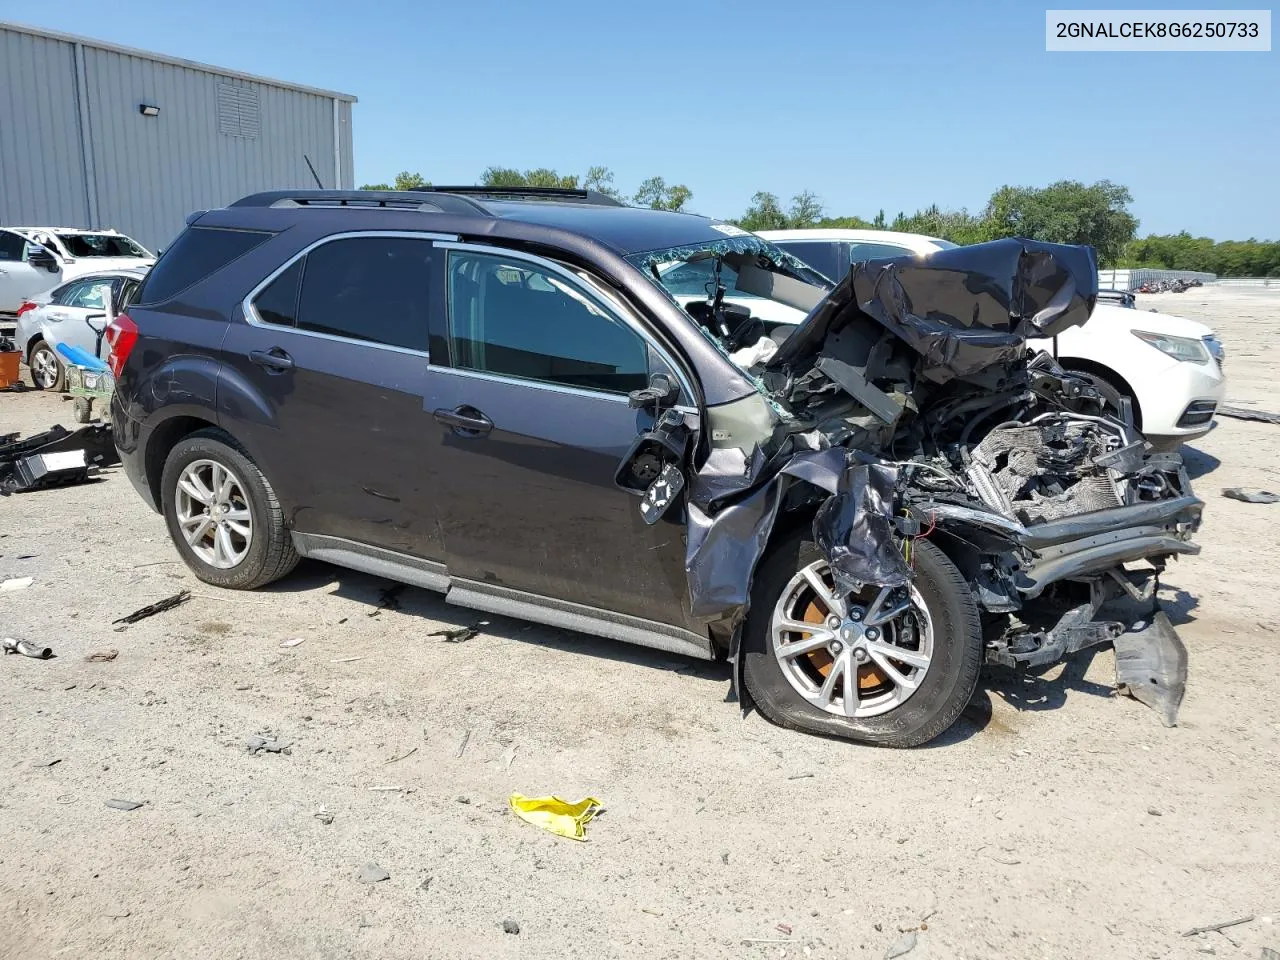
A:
(112, 232)
(916, 241)
(130, 273)
(628, 230)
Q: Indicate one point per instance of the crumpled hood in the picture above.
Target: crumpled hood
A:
(961, 309)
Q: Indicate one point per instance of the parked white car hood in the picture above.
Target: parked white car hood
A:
(1146, 320)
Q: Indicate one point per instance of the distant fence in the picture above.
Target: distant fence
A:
(1133, 278)
(1248, 282)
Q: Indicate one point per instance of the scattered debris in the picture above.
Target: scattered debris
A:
(123, 804)
(372, 873)
(800, 776)
(399, 789)
(460, 635)
(425, 884)
(466, 800)
(783, 928)
(1250, 496)
(116, 913)
(557, 816)
(55, 458)
(103, 656)
(510, 926)
(324, 816)
(906, 943)
(257, 744)
(462, 747)
(1218, 927)
(411, 752)
(1240, 413)
(751, 940)
(389, 599)
(16, 583)
(724, 858)
(26, 648)
(285, 644)
(160, 606)
(651, 912)
(346, 660)
(46, 761)
(508, 756)
(1154, 812)
(928, 906)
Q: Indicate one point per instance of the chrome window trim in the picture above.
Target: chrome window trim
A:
(253, 319)
(606, 302)
(544, 385)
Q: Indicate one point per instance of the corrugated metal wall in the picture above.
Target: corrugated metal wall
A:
(216, 138)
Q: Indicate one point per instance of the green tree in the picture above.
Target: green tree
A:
(404, 181)
(765, 213)
(879, 222)
(1066, 212)
(655, 194)
(805, 212)
(539, 177)
(600, 179)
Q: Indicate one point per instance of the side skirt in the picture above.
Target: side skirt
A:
(501, 600)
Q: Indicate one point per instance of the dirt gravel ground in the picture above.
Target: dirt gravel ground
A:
(1055, 820)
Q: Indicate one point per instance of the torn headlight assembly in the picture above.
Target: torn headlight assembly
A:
(1185, 349)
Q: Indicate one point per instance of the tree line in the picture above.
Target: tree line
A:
(1063, 212)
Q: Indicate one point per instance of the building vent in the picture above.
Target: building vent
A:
(238, 111)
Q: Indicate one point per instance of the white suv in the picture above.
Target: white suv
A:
(1170, 366)
(36, 259)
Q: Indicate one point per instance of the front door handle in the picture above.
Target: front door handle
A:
(466, 421)
(274, 360)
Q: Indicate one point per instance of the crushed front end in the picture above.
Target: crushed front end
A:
(908, 406)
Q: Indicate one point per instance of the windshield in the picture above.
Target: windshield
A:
(101, 245)
(945, 244)
(744, 292)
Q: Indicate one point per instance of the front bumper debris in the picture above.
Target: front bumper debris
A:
(1151, 666)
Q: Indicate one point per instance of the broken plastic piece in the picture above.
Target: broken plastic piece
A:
(1250, 496)
(1151, 664)
(557, 816)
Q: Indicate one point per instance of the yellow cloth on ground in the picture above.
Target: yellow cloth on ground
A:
(560, 817)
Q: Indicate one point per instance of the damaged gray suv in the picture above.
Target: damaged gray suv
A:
(658, 428)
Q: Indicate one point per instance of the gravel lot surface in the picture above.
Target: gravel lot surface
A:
(1055, 820)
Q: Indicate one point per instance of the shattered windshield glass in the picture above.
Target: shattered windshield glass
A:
(740, 291)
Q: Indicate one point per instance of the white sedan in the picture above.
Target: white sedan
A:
(1171, 367)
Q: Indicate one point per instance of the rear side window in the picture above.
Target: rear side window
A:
(12, 246)
(376, 289)
(859, 251)
(197, 253)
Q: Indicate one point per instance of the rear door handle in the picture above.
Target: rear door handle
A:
(466, 421)
(274, 359)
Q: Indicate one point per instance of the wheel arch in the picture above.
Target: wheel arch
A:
(163, 439)
(1081, 365)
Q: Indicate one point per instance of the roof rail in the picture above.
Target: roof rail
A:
(565, 194)
(365, 199)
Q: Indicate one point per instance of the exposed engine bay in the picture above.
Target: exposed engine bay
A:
(904, 404)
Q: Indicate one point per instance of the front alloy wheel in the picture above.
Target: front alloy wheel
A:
(892, 666)
(859, 655)
(46, 368)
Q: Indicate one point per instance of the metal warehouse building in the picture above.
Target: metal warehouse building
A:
(97, 135)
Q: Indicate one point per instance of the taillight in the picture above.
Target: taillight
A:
(25, 307)
(122, 334)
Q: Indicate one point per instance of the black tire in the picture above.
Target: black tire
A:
(83, 409)
(1111, 393)
(271, 554)
(945, 690)
(43, 350)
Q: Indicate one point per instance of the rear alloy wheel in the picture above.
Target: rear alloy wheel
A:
(46, 368)
(223, 515)
(887, 665)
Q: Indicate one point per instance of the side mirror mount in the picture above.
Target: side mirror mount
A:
(661, 392)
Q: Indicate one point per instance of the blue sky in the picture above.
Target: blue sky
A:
(868, 104)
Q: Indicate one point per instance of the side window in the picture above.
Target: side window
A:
(12, 246)
(859, 251)
(823, 255)
(128, 291)
(278, 302)
(90, 295)
(510, 318)
(61, 294)
(376, 289)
